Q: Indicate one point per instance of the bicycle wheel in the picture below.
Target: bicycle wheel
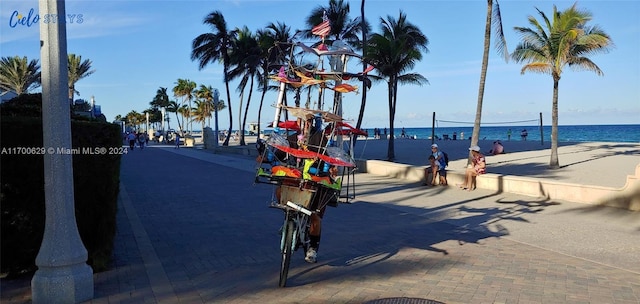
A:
(287, 250)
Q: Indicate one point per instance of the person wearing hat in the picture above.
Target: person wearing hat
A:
(438, 166)
(477, 167)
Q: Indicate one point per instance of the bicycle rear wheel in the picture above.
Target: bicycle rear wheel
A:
(287, 250)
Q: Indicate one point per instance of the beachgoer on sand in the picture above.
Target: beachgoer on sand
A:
(509, 134)
(438, 166)
(477, 167)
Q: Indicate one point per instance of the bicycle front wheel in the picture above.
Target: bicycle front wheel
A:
(287, 250)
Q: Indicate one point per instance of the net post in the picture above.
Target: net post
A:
(541, 131)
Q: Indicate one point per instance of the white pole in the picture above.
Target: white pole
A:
(63, 275)
(276, 118)
(216, 100)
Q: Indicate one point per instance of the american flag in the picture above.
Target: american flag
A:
(322, 29)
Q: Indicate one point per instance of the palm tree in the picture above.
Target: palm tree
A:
(134, 119)
(563, 40)
(366, 83)
(185, 112)
(393, 52)
(205, 94)
(19, 75)
(493, 20)
(201, 112)
(174, 107)
(211, 47)
(275, 46)
(246, 59)
(161, 100)
(78, 69)
(342, 28)
(185, 88)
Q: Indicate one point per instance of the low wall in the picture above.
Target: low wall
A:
(627, 197)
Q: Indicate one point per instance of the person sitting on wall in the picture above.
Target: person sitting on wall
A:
(478, 167)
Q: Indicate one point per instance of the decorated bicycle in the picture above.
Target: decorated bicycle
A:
(304, 157)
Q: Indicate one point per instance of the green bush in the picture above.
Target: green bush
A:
(96, 184)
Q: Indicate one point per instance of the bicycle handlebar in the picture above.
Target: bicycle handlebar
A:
(299, 208)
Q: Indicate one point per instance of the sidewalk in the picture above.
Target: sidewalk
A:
(193, 229)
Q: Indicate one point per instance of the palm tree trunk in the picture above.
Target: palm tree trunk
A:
(391, 154)
(363, 102)
(240, 126)
(226, 83)
(264, 92)
(71, 94)
(246, 110)
(483, 76)
(554, 162)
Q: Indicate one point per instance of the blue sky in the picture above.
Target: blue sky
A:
(138, 46)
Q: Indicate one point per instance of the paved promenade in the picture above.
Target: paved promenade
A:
(192, 228)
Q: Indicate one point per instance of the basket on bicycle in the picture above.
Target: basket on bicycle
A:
(297, 195)
(308, 194)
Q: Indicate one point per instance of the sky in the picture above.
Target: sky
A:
(138, 46)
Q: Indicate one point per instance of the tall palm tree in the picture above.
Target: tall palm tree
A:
(201, 112)
(205, 94)
(364, 29)
(78, 69)
(161, 100)
(342, 28)
(174, 107)
(394, 51)
(246, 59)
(19, 74)
(494, 20)
(185, 88)
(214, 47)
(563, 40)
(275, 46)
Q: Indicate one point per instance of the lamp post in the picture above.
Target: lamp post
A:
(146, 130)
(216, 99)
(162, 111)
(63, 275)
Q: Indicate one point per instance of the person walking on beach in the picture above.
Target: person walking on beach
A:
(177, 141)
(478, 167)
(461, 135)
(524, 134)
(509, 134)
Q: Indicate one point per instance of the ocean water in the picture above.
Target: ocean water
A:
(577, 133)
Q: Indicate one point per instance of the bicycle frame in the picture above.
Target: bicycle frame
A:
(301, 231)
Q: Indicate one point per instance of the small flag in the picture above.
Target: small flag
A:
(323, 29)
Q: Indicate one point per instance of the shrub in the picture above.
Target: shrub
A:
(22, 204)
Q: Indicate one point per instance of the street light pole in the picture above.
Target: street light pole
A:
(63, 275)
(162, 111)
